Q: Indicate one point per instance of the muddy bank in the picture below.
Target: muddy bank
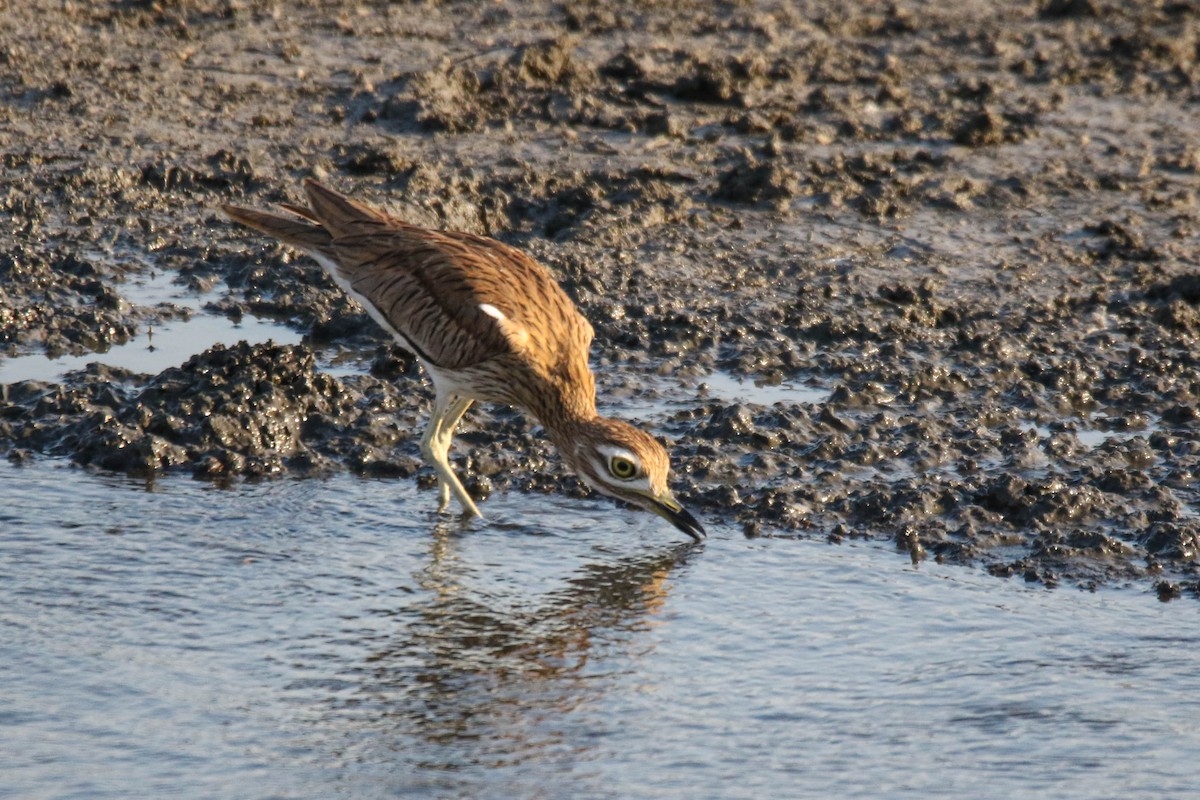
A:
(974, 225)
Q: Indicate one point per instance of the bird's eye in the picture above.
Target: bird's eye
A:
(622, 468)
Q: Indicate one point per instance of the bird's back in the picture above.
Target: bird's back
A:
(457, 300)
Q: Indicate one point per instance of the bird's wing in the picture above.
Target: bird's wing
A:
(464, 299)
(456, 299)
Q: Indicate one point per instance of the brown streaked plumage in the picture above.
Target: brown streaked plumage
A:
(488, 323)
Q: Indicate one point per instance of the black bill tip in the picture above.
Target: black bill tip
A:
(682, 519)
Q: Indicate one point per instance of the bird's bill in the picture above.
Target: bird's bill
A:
(669, 509)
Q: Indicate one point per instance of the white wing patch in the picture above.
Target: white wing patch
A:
(513, 331)
(492, 311)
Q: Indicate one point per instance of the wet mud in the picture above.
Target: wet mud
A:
(974, 224)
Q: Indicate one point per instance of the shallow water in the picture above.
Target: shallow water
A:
(323, 638)
(731, 389)
(159, 346)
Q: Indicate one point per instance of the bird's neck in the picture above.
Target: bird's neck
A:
(567, 412)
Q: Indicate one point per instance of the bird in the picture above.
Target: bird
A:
(488, 323)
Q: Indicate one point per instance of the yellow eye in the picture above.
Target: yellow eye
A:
(622, 468)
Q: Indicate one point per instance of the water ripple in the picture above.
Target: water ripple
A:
(310, 638)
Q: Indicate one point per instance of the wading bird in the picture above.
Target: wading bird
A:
(488, 323)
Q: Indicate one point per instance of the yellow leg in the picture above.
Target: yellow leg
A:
(451, 416)
(435, 447)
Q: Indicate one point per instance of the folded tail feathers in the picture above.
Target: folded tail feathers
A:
(337, 212)
(296, 232)
(300, 211)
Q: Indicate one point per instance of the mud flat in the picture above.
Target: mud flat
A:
(972, 227)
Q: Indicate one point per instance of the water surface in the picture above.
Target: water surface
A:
(154, 348)
(335, 638)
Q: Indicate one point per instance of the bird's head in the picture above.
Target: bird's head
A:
(621, 461)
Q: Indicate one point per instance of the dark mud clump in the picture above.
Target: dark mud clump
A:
(60, 302)
(235, 411)
(972, 225)
(242, 411)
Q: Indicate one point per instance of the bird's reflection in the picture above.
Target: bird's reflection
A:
(487, 676)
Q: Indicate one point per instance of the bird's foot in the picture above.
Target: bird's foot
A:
(469, 509)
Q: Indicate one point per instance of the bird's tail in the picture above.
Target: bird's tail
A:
(297, 231)
(337, 212)
(330, 215)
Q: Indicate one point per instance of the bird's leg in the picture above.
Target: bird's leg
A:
(442, 439)
(435, 447)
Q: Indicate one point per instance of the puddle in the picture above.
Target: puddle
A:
(652, 397)
(159, 346)
(730, 389)
(335, 638)
(1092, 438)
